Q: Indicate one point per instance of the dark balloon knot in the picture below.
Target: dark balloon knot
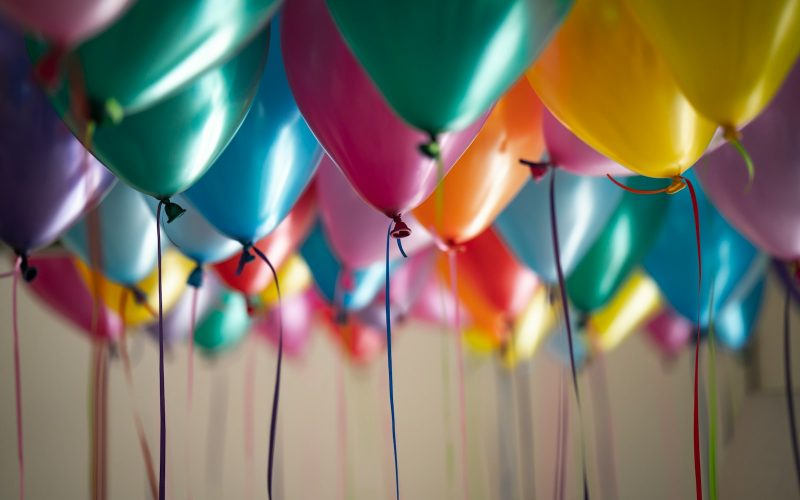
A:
(431, 149)
(538, 169)
(172, 210)
(245, 257)
(400, 229)
(730, 133)
(195, 279)
(138, 295)
(340, 317)
(27, 271)
(678, 184)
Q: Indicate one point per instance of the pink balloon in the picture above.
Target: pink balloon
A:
(768, 213)
(574, 155)
(64, 22)
(59, 285)
(375, 149)
(353, 227)
(436, 304)
(298, 317)
(669, 331)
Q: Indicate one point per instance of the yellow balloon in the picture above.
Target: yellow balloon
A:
(728, 56)
(294, 277)
(175, 271)
(479, 342)
(530, 328)
(636, 302)
(609, 85)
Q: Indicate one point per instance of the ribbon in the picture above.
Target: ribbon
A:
(389, 362)
(462, 406)
(162, 471)
(17, 377)
(787, 372)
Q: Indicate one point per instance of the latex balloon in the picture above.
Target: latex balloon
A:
(583, 207)
(143, 309)
(178, 320)
(360, 343)
(225, 325)
(479, 342)
(669, 331)
(530, 329)
(436, 304)
(767, 211)
(278, 246)
(164, 149)
(558, 346)
(728, 58)
(409, 280)
(298, 317)
(294, 277)
(153, 51)
(258, 178)
(375, 149)
(60, 286)
(488, 175)
(621, 246)
(672, 261)
(126, 237)
(604, 81)
(442, 64)
(636, 303)
(565, 150)
(47, 179)
(354, 229)
(735, 323)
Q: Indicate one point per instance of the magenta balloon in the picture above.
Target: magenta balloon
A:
(574, 155)
(669, 331)
(768, 214)
(353, 227)
(59, 285)
(298, 319)
(375, 149)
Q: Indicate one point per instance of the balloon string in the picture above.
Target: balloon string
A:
(565, 306)
(98, 382)
(734, 138)
(273, 425)
(341, 403)
(787, 372)
(712, 406)
(462, 407)
(190, 389)
(605, 422)
(389, 363)
(7, 274)
(557, 481)
(93, 424)
(445, 400)
(17, 377)
(162, 492)
(104, 422)
(249, 421)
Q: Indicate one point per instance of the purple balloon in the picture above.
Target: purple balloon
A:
(178, 321)
(47, 179)
(768, 214)
(298, 316)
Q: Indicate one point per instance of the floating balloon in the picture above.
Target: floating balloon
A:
(604, 81)
(669, 331)
(583, 207)
(767, 211)
(258, 178)
(178, 321)
(298, 313)
(734, 325)
(294, 277)
(361, 343)
(47, 179)
(530, 329)
(442, 64)
(488, 175)
(728, 58)
(225, 325)
(374, 148)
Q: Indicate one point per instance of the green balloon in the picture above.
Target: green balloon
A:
(628, 235)
(164, 149)
(155, 48)
(442, 63)
(225, 326)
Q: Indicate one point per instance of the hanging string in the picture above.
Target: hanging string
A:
(190, 384)
(215, 438)
(787, 372)
(561, 431)
(445, 348)
(389, 362)
(162, 478)
(93, 425)
(605, 425)
(17, 378)
(98, 383)
(525, 425)
(462, 406)
(249, 420)
(712, 405)
(734, 138)
(341, 403)
(7, 274)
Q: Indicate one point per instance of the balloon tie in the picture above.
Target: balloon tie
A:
(162, 481)
(17, 377)
(172, 210)
(431, 149)
(389, 362)
(399, 229)
(676, 186)
(273, 425)
(195, 279)
(462, 406)
(538, 169)
(245, 258)
(734, 137)
(27, 271)
(787, 372)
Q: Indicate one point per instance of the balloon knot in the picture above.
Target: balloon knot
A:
(400, 229)
(195, 279)
(677, 185)
(27, 271)
(138, 295)
(48, 70)
(431, 149)
(173, 210)
(340, 317)
(583, 321)
(245, 257)
(538, 168)
(731, 134)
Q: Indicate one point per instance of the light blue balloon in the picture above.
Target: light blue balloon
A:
(733, 326)
(326, 270)
(255, 182)
(583, 207)
(225, 325)
(672, 261)
(128, 240)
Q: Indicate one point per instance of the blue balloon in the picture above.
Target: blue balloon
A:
(733, 326)
(327, 273)
(127, 232)
(255, 182)
(583, 206)
(672, 261)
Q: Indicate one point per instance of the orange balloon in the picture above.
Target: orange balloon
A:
(488, 176)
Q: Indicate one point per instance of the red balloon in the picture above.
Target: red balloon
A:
(360, 342)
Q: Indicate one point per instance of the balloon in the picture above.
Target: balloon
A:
(442, 64)
(127, 239)
(294, 277)
(225, 326)
(530, 329)
(558, 346)
(354, 229)
(623, 243)
(436, 304)
(143, 309)
(66, 23)
(278, 246)
(583, 207)
(178, 320)
(767, 211)
(164, 149)
(298, 313)
(258, 178)
(479, 342)
(361, 343)
(47, 179)
(735, 323)
(669, 331)
(728, 57)
(636, 302)
(154, 50)
(604, 81)
(488, 175)
(672, 261)
(60, 286)
(375, 149)
(566, 151)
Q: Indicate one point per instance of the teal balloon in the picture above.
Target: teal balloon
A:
(224, 326)
(442, 63)
(127, 233)
(164, 149)
(255, 182)
(734, 325)
(154, 49)
(583, 207)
